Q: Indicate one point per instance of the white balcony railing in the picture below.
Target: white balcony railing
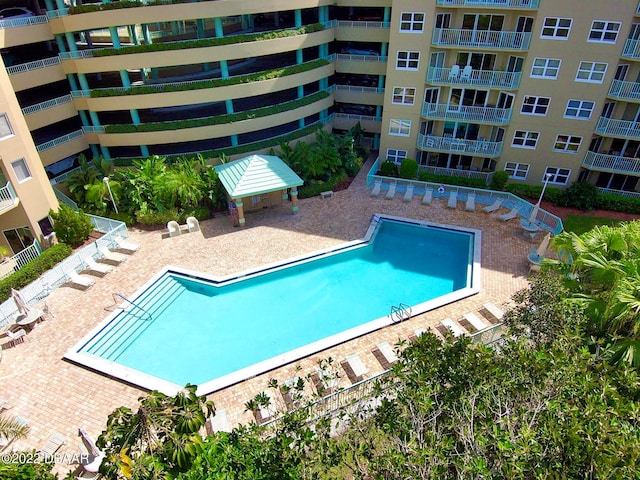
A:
(25, 67)
(625, 90)
(611, 163)
(54, 102)
(482, 114)
(631, 49)
(476, 78)
(356, 89)
(462, 146)
(490, 3)
(23, 22)
(359, 118)
(610, 127)
(361, 58)
(350, 24)
(622, 193)
(486, 39)
(60, 140)
(8, 197)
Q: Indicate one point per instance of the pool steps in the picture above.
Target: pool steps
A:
(132, 323)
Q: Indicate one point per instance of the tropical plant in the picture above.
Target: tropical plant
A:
(580, 195)
(77, 181)
(499, 180)
(71, 227)
(408, 168)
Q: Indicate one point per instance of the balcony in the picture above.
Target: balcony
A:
(481, 148)
(625, 90)
(529, 4)
(8, 198)
(611, 163)
(485, 39)
(477, 78)
(609, 127)
(477, 114)
(631, 49)
(623, 193)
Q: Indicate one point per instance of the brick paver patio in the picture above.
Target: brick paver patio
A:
(54, 395)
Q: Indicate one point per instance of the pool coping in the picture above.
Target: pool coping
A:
(150, 382)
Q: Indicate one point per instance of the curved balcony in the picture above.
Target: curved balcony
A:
(631, 49)
(361, 64)
(478, 148)
(51, 111)
(629, 91)
(359, 95)
(24, 76)
(485, 39)
(611, 163)
(344, 121)
(24, 31)
(62, 147)
(511, 4)
(477, 78)
(444, 111)
(8, 198)
(609, 127)
(377, 32)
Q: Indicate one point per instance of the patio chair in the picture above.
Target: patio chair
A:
(494, 310)
(466, 73)
(385, 355)
(454, 72)
(16, 337)
(513, 213)
(125, 245)
(112, 258)
(408, 194)
(376, 188)
(79, 281)
(354, 368)
(391, 192)
(174, 228)
(428, 196)
(94, 267)
(475, 321)
(470, 206)
(453, 327)
(493, 207)
(453, 199)
(52, 446)
(193, 225)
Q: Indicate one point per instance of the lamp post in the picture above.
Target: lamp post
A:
(536, 207)
(106, 181)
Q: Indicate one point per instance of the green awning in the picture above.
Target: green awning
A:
(255, 175)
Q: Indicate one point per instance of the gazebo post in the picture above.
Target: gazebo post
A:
(239, 205)
(294, 200)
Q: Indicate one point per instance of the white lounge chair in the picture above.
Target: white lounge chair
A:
(493, 207)
(218, 422)
(470, 206)
(113, 258)
(174, 228)
(453, 199)
(454, 72)
(16, 336)
(354, 368)
(79, 280)
(52, 446)
(95, 267)
(391, 192)
(385, 355)
(455, 329)
(513, 213)
(125, 245)
(192, 224)
(474, 320)
(408, 194)
(494, 310)
(428, 196)
(376, 188)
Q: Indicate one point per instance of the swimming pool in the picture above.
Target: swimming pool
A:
(188, 327)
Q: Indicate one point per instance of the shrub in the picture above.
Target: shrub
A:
(315, 188)
(499, 180)
(408, 168)
(70, 226)
(389, 169)
(580, 195)
(157, 218)
(201, 213)
(617, 203)
(32, 270)
(451, 180)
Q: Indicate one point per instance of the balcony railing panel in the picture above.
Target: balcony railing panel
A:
(610, 127)
(478, 78)
(444, 111)
(8, 197)
(349, 24)
(631, 49)
(25, 67)
(482, 148)
(622, 193)
(487, 39)
(490, 3)
(77, 54)
(355, 88)
(60, 140)
(625, 90)
(54, 102)
(361, 58)
(611, 163)
(23, 22)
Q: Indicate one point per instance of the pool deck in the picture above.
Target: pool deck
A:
(56, 396)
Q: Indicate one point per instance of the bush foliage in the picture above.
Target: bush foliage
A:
(71, 227)
(499, 180)
(408, 168)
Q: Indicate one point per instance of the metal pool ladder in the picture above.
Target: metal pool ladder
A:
(400, 312)
(116, 294)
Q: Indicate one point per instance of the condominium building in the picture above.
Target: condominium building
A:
(544, 89)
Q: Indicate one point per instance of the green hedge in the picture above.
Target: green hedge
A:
(451, 180)
(315, 188)
(212, 83)
(219, 119)
(32, 270)
(210, 42)
(617, 203)
(532, 192)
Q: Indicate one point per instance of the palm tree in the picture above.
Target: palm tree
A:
(11, 429)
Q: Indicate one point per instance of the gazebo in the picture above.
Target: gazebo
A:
(259, 180)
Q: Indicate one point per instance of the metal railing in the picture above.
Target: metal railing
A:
(487, 39)
(54, 102)
(612, 127)
(625, 90)
(78, 54)
(454, 172)
(446, 111)
(622, 193)
(611, 163)
(25, 256)
(62, 198)
(60, 140)
(8, 197)
(353, 88)
(360, 118)
(459, 145)
(477, 78)
(23, 22)
(25, 67)
(631, 49)
(361, 58)
(359, 24)
(63, 176)
(490, 3)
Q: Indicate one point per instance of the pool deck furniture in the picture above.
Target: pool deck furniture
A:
(376, 188)
(326, 194)
(513, 213)
(218, 422)
(112, 258)
(391, 192)
(16, 336)
(192, 224)
(93, 267)
(27, 321)
(453, 200)
(290, 391)
(264, 413)
(79, 281)
(455, 329)
(174, 228)
(470, 206)
(325, 382)
(494, 310)
(125, 245)
(385, 355)
(428, 197)
(493, 207)
(354, 368)
(408, 195)
(52, 446)
(475, 321)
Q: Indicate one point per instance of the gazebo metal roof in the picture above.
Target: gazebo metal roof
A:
(255, 175)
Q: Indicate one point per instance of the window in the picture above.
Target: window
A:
(400, 127)
(516, 170)
(412, 22)
(5, 127)
(556, 28)
(567, 144)
(407, 60)
(535, 105)
(404, 95)
(524, 139)
(545, 68)
(21, 170)
(591, 72)
(579, 109)
(396, 156)
(557, 175)
(602, 31)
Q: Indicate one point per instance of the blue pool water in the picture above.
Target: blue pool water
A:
(193, 330)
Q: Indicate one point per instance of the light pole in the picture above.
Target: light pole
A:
(106, 181)
(536, 207)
